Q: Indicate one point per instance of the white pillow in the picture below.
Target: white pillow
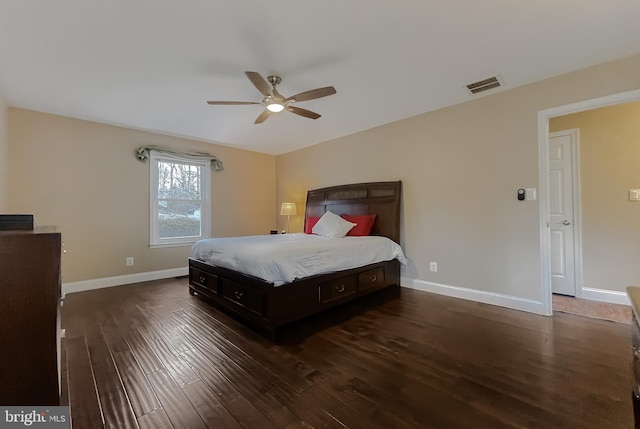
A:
(332, 226)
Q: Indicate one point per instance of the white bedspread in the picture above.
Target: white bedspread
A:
(283, 258)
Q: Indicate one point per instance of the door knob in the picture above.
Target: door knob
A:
(566, 222)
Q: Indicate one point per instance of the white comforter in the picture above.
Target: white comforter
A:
(283, 258)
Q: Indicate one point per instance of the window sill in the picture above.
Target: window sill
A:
(182, 244)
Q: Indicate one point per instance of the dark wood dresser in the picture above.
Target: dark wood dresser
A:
(29, 311)
(634, 296)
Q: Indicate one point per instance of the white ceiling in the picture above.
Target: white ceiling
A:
(152, 64)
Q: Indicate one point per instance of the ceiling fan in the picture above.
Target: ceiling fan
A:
(274, 101)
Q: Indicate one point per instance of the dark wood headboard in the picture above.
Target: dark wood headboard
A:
(379, 198)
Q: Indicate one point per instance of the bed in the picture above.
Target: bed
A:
(268, 305)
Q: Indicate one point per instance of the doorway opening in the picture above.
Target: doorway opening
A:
(549, 200)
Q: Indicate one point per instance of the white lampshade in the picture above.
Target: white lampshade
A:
(288, 209)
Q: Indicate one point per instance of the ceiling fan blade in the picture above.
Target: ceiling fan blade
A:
(263, 117)
(303, 112)
(231, 103)
(259, 82)
(313, 94)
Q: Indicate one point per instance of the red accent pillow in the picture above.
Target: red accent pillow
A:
(364, 224)
(311, 222)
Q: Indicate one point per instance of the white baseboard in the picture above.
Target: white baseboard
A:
(123, 280)
(492, 298)
(610, 296)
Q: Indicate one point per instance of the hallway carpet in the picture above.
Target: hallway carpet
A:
(599, 310)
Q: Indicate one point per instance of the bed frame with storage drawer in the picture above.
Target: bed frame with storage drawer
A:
(268, 307)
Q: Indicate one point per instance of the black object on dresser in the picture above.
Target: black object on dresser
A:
(29, 304)
(12, 222)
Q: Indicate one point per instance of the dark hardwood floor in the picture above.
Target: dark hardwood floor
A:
(151, 356)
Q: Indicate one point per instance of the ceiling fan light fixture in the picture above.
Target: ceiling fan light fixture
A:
(275, 107)
(274, 103)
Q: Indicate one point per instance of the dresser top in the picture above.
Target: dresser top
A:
(38, 230)
(634, 296)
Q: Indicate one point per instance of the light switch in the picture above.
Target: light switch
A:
(634, 194)
(530, 193)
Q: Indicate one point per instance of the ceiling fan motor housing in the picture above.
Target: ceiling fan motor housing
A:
(274, 80)
(276, 102)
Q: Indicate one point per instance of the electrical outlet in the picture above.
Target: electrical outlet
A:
(129, 261)
(433, 267)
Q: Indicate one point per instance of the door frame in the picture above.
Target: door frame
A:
(543, 179)
(576, 206)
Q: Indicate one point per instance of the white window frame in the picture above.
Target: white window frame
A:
(205, 206)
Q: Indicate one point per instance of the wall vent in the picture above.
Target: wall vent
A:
(484, 85)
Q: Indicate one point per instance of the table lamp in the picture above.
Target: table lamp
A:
(288, 209)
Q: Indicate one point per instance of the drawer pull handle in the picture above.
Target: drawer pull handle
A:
(373, 278)
(340, 288)
(203, 279)
(238, 294)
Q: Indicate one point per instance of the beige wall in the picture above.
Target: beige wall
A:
(609, 166)
(460, 167)
(4, 158)
(84, 178)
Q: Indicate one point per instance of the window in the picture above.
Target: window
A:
(180, 208)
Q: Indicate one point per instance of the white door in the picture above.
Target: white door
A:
(561, 207)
